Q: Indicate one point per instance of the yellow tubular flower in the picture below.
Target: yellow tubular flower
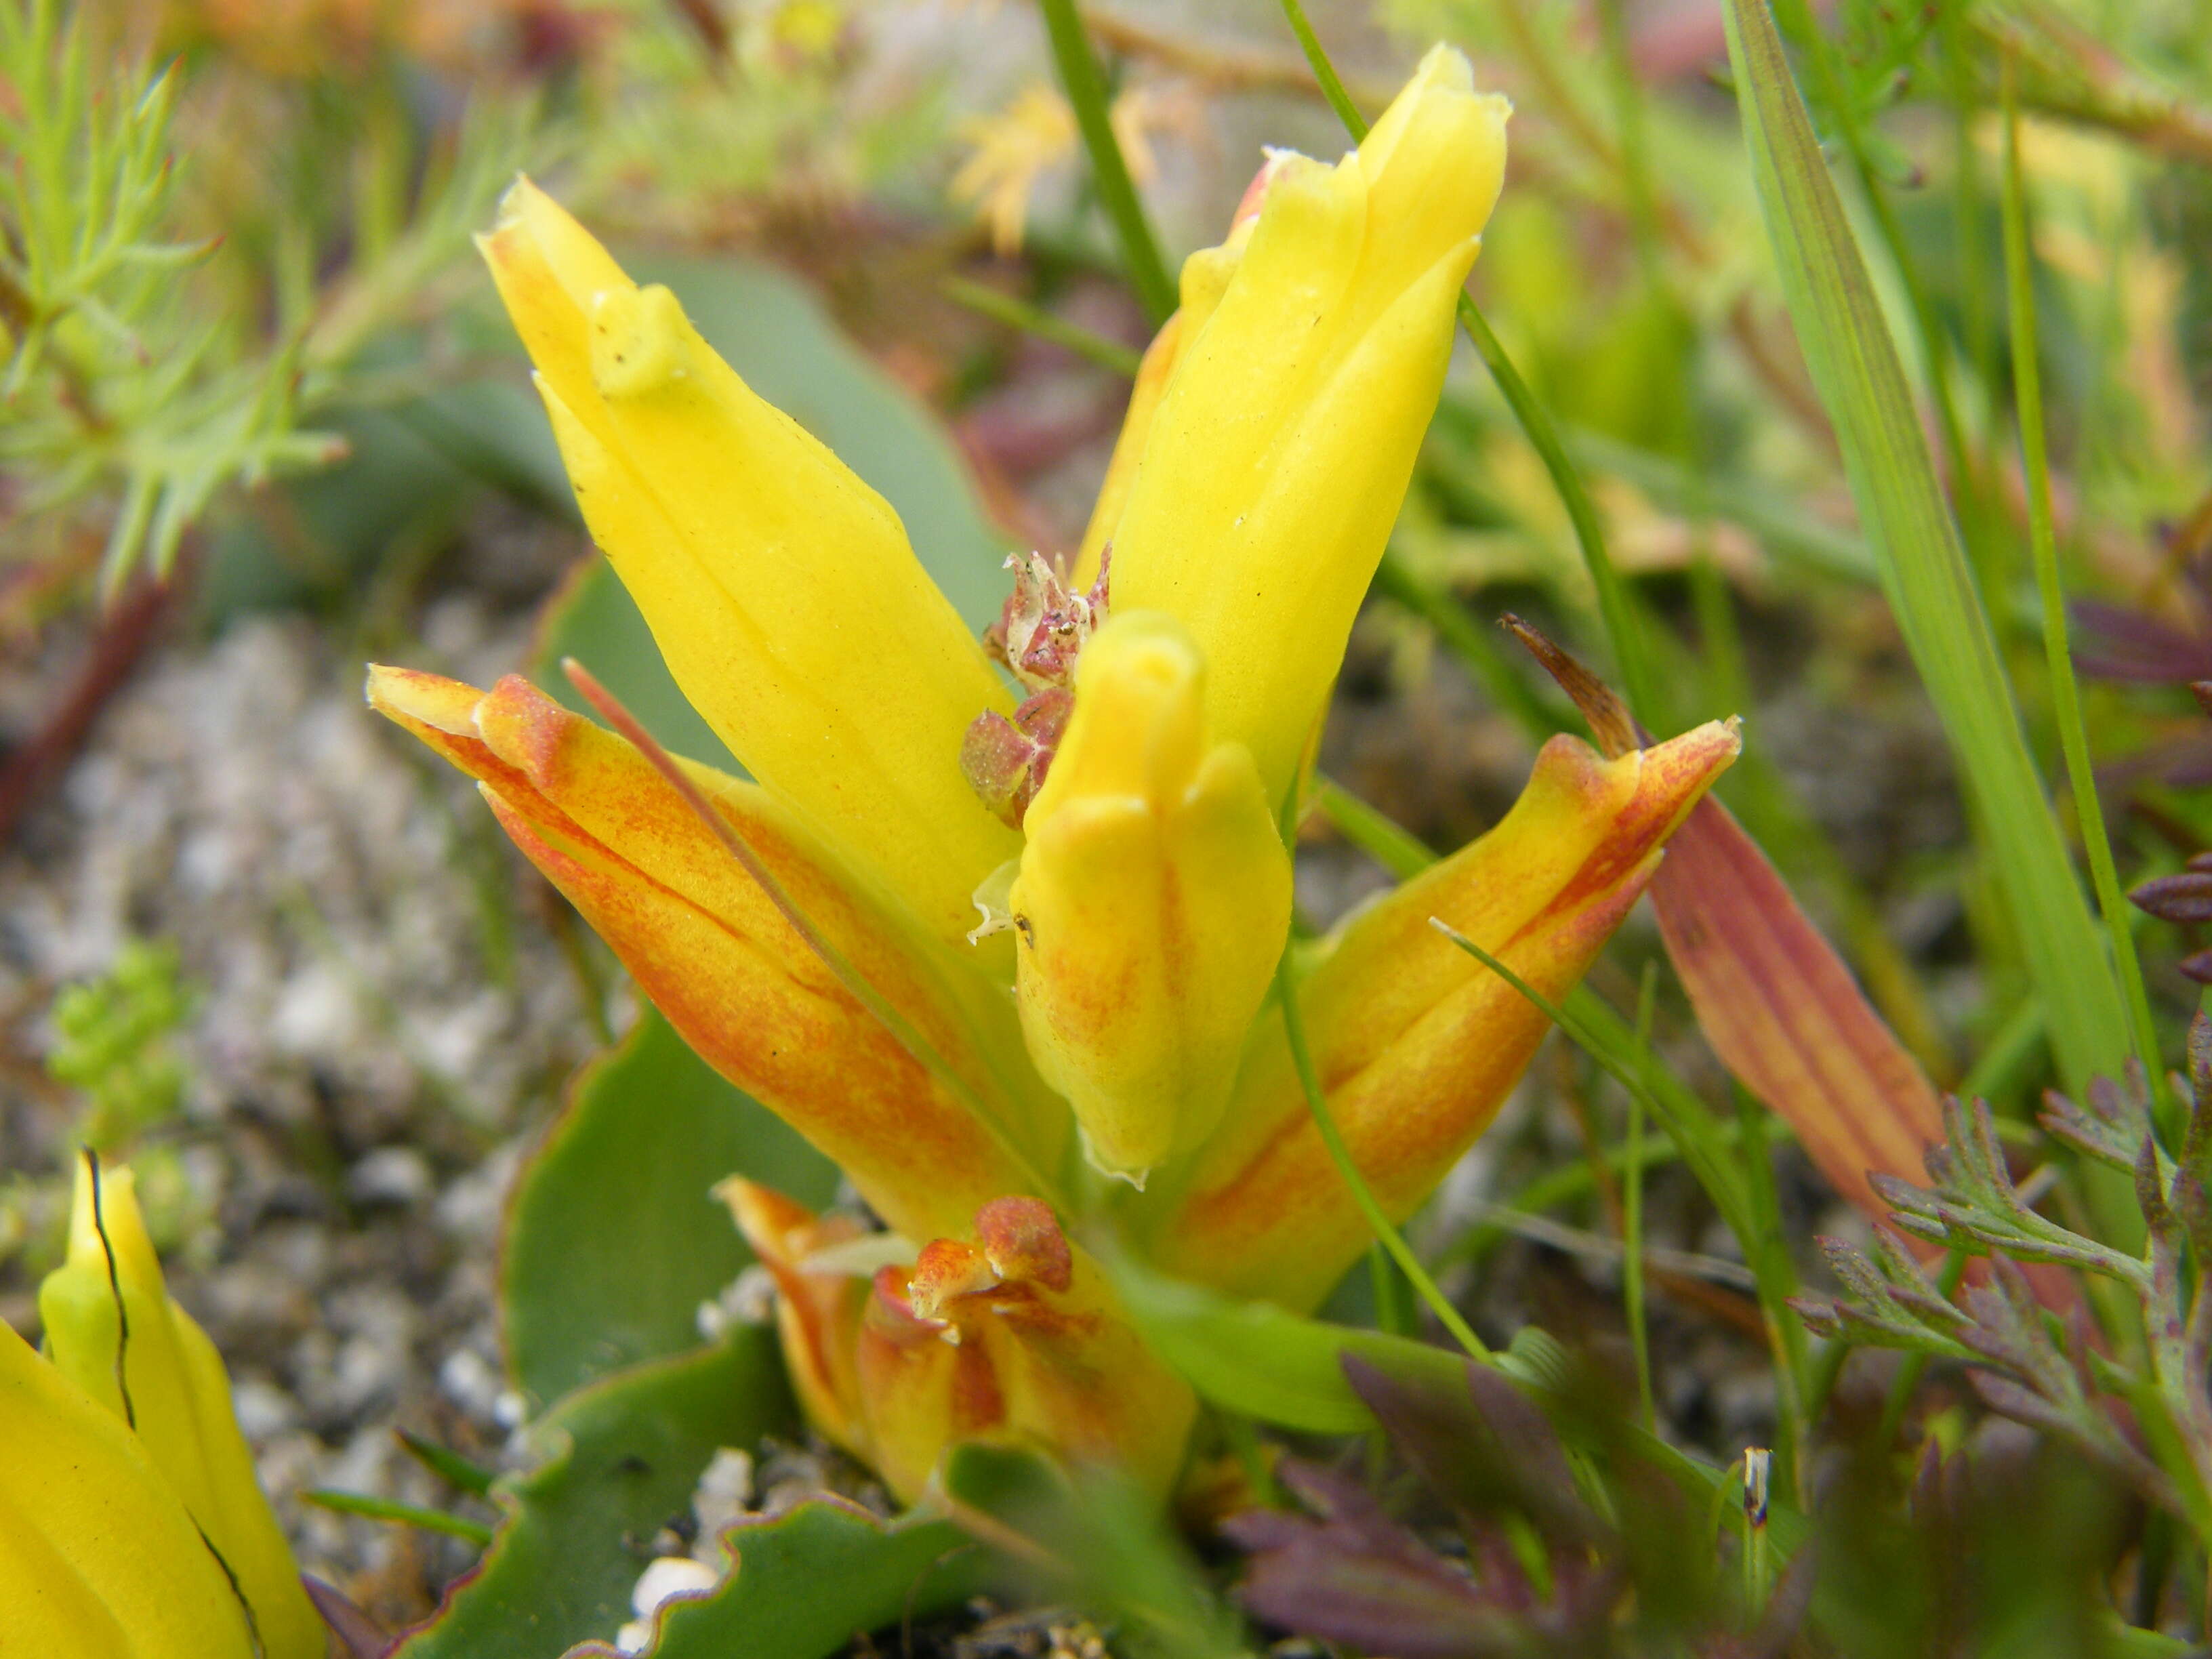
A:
(1281, 448)
(165, 1381)
(1153, 902)
(1417, 1044)
(779, 587)
(725, 965)
(98, 1558)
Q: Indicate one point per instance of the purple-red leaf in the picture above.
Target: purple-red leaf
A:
(1356, 1577)
(1773, 998)
(356, 1633)
(1783, 1013)
(1478, 1446)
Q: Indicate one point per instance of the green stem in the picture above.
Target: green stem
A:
(405, 1515)
(1631, 1214)
(1389, 843)
(1385, 1235)
(1394, 1313)
(1476, 647)
(2065, 696)
(1332, 88)
(448, 1465)
(1614, 603)
(1032, 319)
(1085, 87)
(1935, 348)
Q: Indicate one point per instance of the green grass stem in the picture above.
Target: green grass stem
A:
(2065, 694)
(404, 1514)
(1085, 84)
(1033, 319)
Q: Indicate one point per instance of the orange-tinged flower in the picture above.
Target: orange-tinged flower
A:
(1416, 1042)
(724, 962)
(1117, 808)
(1004, 1332)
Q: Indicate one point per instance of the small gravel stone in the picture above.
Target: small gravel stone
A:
(398, 1176)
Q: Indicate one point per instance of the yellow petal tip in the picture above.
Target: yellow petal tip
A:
(639, 340)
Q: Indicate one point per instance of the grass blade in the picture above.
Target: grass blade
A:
(1085, 87)
(404, 1515)
(1931, 589)
(2065, 697)
(1032, 319)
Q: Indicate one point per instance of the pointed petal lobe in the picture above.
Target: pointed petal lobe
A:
(1417, 1044)
(779, 588)
(718, 956)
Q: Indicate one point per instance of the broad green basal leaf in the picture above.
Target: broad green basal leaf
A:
(614, 1237)
(816, 1578)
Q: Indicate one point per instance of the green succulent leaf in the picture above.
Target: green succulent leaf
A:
(615, 1237)
(619, 1461)
(815, 1577)
(1261, 1361)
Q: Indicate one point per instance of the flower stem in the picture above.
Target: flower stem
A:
(1385, 1235)
(1085, 87)
(1032, 319)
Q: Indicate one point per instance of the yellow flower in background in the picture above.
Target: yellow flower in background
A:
(131, 1523)
(1117, 812)
(1011, 151)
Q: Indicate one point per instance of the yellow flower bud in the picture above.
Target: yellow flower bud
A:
(112, 1330)
(1308, 365)
(1152, 905)
(779, 588)
(98, 1558)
